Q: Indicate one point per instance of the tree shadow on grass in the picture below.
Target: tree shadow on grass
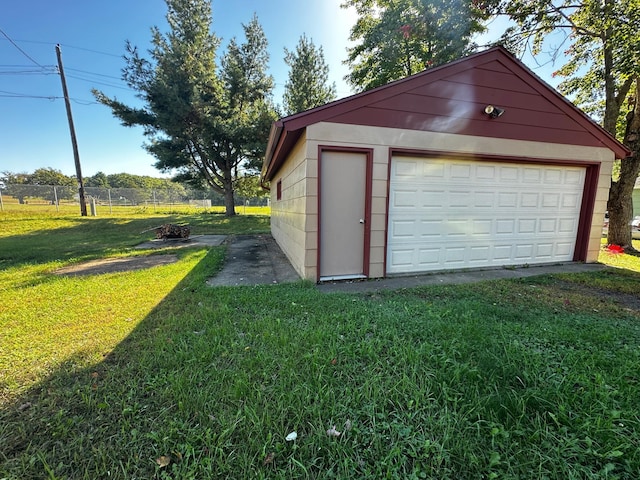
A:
(109, 419)
(84, 239)
(91, 238)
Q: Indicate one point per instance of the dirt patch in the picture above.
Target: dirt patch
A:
(112, 265)
(193, 241)
(625, 300)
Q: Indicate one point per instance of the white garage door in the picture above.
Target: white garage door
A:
(448, 214)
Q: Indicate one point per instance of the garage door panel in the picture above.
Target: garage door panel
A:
(531, 175)
(461, 171)
(550, 200)
(482, 227)
(481, 214)
(432, 198)
(509, 174)
(484, 199)
(544, 251)
(404, 198)
(404, 228)
(564, 248)
(573, 177)
(529, 200)
(567, 225)
(552, 177)
(479, 253)
(502, 253)
(570, 201)
(524, 251)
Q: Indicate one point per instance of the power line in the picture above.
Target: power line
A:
(23, 66)
(71, 46)
(92, 51)
(100, 83)
(19, 49)
(79, 101)
(27, 72)
(92, 73)
(6, 94)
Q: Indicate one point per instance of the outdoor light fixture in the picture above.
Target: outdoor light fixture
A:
(493, 112)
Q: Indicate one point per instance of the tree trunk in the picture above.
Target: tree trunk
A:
(229, 202)
(620, 204)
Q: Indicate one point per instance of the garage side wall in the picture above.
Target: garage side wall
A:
(384, 140)
(290, 212)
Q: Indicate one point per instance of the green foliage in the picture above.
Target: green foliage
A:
(396, 39)
(249, 186)
(248, 91)
(600, 40)
(100, 179)
(20, 185)
(308, 83)
(51, 176)
(106, 377)
(202, 121)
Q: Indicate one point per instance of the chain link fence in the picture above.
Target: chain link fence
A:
(112, 198)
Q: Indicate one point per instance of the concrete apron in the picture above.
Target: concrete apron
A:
(254, 260)
(258, 260)
(455, 278)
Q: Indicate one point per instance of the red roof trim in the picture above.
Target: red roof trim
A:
(286, 131)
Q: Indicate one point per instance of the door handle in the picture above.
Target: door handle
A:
(362, 220)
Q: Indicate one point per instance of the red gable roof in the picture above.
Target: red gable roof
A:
(451, 99)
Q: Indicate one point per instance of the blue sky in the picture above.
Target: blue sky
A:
(34, 131)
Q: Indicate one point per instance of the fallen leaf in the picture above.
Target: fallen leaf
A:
(347, 425)
(94, 374)
(24, 406)
(163, 460)
(269, 459)
(332, 432)
(334, 361)
(291, 437)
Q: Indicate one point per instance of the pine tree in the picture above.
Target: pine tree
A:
(308, 84)
(202, 121)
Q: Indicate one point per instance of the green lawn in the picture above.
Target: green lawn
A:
(152, 374)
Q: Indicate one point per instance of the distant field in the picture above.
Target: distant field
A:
(12, 205)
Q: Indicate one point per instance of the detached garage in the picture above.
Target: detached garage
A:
(474, 164)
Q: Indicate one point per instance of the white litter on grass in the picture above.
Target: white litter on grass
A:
(291, 437)
(332, 432)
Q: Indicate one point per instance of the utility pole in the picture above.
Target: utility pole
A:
(74, 142)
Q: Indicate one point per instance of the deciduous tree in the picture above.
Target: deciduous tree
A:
(397, 38)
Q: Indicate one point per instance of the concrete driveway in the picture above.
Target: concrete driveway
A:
(254, 260)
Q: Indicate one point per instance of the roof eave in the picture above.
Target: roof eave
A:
(274, 137)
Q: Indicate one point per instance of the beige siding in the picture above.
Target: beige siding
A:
(289, 215)
(381, 139)
(294, 219)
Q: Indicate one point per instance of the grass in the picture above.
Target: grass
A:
(104, 377)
